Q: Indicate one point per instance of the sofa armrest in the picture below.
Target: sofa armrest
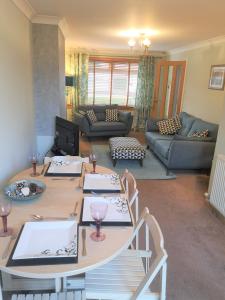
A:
(151, 125)
(190, 154)
(127, 118)
(82, 122)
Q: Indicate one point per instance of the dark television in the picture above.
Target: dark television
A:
(66, 138)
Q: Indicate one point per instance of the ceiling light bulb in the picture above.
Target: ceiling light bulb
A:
(131, 43)
(146, 42)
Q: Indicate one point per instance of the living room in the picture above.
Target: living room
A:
(32, 41)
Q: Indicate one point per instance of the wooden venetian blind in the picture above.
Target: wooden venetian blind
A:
(112, 82)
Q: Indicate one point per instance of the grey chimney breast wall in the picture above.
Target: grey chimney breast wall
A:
(48, 83)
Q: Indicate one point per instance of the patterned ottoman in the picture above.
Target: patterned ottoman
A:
(126, 148)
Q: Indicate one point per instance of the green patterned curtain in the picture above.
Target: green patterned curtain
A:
(81, 78)
(144, 91)
(77, 65)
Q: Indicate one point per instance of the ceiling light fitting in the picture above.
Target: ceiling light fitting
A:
(143, 40)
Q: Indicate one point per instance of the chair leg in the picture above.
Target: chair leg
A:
(83, 295)
(163, 281)
(136, 219)
(1, 297)
(167, 172)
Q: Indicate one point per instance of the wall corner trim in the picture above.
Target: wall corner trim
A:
(25, 7)
(200, 44)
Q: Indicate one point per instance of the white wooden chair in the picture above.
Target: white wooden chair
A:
(130, 186)
(52, 296)
(129, 276)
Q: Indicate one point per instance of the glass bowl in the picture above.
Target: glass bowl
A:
(24, 190)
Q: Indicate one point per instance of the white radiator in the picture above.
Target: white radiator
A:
(217, 196)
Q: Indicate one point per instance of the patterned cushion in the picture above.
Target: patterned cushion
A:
(83, 113)
(111, 115)
(200, 133)
(91, 116)
(169, 126)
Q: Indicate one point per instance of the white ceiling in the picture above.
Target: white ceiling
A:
(97, 24)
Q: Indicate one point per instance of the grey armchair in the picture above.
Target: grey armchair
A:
(101, 127)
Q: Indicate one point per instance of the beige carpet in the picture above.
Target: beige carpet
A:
(194, 236)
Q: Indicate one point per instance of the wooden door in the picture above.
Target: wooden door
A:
(168, 88)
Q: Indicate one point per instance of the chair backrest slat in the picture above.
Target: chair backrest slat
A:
(160, 257)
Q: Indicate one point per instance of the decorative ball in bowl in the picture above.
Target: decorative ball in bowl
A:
(24, 190)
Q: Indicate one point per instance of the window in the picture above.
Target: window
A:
(112, 82)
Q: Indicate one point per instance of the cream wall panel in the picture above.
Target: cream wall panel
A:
(16, 102)
(197, 98)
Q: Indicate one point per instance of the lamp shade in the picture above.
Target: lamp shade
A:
(69, 80)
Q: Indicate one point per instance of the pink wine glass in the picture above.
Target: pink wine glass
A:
(93, 159)
(34, 161)
(98, 213)
(5, 209)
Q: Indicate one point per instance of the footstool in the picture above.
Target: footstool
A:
(126, 148)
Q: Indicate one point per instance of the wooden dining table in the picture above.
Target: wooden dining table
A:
(58, 200)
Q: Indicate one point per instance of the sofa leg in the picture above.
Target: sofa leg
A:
(141, 162)
(114, 162)
(147, 147)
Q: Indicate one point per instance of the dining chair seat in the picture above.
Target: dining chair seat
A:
(105, 281)
(75, 295)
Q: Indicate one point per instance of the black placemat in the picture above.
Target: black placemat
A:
(41, 261)
(104, 223)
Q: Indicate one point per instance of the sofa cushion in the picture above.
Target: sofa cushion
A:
(186, 122)
(152, 137)
(201, 133)
(108, 126)
(152, 124)
(178, 137)
(169, 126)
(91, 116)
(100, 116)
(111, 115)
(199, 125)
(162, 147)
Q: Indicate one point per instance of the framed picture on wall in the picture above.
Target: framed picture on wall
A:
(216, 80)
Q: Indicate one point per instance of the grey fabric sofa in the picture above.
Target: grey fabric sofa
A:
(182, 151)
(102, 128)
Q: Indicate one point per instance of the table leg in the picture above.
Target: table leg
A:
(58, 285)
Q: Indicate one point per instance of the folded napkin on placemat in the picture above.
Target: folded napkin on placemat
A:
(118, 212)
(65, 165)
(102, 183)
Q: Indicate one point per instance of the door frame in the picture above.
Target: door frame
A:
(165, 64)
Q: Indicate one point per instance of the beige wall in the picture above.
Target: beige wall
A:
(16, 112)
(197, 98)
(220, 146)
